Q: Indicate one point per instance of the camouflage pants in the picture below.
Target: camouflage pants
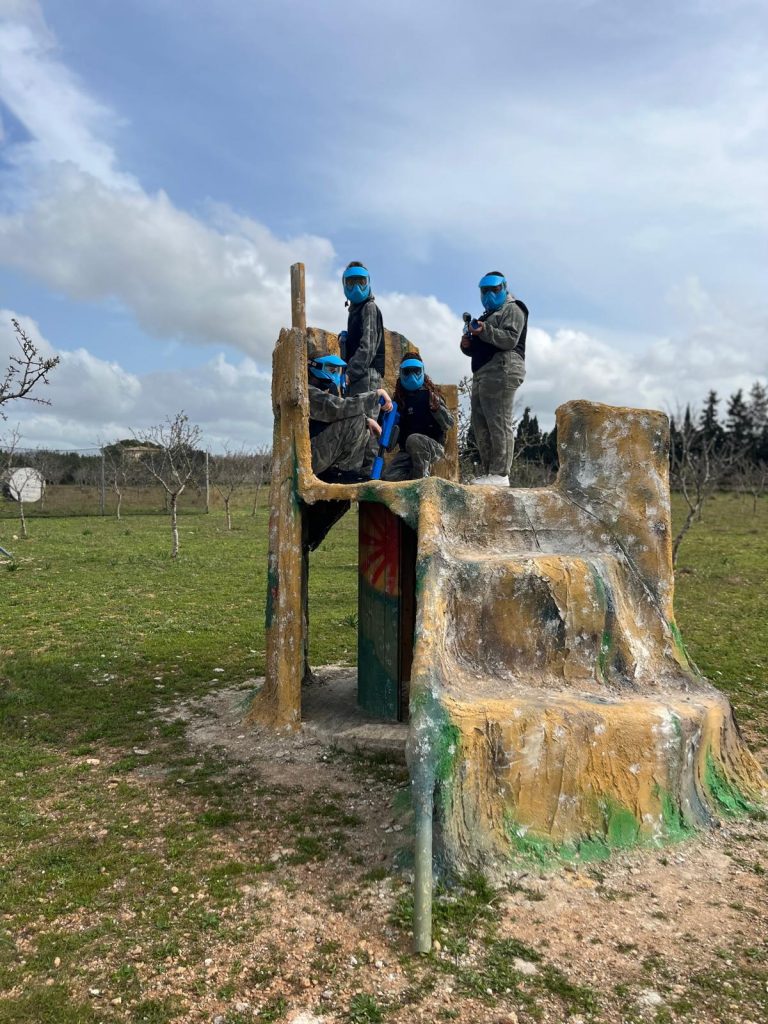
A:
(493, 395)
(344, 444)
(368, 382)
(421, 453)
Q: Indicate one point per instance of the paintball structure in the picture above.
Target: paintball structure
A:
(526, 636)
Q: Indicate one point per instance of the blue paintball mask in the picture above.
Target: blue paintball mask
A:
(357, 284)
(329, 368)
(493, 292)
(412, 374)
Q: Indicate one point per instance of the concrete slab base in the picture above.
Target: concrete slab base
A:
(330, 713)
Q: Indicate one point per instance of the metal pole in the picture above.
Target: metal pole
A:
(207, 486)
(298, 301)
(422, 874)
(102, 492)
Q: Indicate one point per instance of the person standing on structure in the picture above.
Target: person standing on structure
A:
(496, 344)
(362, 344)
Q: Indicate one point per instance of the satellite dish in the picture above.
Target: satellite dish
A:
(25, 484)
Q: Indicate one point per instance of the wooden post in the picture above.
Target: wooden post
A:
(279, 700)
(298, 299)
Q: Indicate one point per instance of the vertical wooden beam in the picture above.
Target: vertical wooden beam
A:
(298, 298)
(279, 701)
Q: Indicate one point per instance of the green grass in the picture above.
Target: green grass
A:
(364, 1009)
(721, 602)
(100, 630)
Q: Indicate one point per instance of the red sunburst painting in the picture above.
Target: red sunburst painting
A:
(380, 550)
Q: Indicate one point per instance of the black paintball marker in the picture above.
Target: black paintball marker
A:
(389, 432)
(469, 321)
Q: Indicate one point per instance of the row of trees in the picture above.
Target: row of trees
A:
(168, 456)
(708, 454)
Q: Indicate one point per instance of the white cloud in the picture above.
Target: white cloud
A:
(88, 230)
(93, 399)
(65, 124)
(223, 281)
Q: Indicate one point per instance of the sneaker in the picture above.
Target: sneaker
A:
(492, 480)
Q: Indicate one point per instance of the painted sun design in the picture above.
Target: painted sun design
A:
(379, 550)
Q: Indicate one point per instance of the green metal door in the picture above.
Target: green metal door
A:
(386, 611)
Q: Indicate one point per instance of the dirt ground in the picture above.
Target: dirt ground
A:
(663, 935)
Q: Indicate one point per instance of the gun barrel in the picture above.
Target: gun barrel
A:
(391, 419)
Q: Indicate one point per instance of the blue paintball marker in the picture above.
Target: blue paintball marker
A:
(389, 431)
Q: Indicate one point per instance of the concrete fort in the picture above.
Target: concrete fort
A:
(526, 636)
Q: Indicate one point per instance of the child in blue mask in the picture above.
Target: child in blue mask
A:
(424, 423)
(496, 344)
(362, 344)
(342, 428)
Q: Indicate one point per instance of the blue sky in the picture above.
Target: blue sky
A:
(162, 163)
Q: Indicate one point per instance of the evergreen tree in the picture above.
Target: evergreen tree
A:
(758, 417)
(528, 437)
(738, 422)
(549, 452)
(708, 421)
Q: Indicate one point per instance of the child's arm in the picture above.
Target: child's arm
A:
(328, 408)
(362, 360)
(505, 332)
(442, 414)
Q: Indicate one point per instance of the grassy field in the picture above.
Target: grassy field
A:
(127, 856)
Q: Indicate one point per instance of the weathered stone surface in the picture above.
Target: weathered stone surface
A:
(554, 712)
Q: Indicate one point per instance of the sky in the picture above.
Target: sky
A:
(164, 162)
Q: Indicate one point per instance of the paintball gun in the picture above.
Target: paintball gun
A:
(469, 321)
(389, 432)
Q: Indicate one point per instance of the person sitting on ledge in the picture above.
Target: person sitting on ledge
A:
(340, 426)
(424, 422)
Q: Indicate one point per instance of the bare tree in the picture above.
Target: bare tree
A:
(469, 456)
(25, 483)
(48, 463)
(231, 472)
(8, 445)
(170, 455)
(25, 371)
(699, 465)
(21, 483)
(262, 470)
(751, 478)
(121, 469)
